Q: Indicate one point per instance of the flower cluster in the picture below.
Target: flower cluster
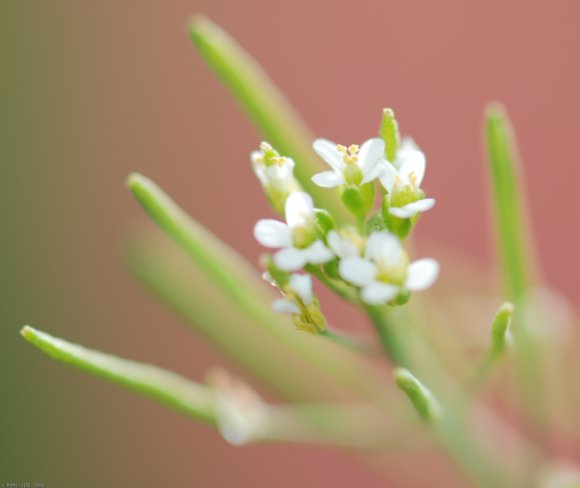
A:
(367, 257)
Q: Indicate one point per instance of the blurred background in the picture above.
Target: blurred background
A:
(91, 91)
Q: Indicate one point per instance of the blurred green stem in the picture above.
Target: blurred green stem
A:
(265, 104)
(514, 242)
(237, 281)
(347, 426)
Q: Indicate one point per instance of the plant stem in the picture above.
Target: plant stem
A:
(390, 339)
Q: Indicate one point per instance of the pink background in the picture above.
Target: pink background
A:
(95, 90)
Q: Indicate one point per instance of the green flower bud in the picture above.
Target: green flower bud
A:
(389, 131)
(324, 222)
(359, 200)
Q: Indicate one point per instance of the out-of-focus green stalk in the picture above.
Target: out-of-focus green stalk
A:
(235, 278)
(349, 426)
(163, 386)
(453, 428)
(511, 219)
(265, 104)
(514, 244)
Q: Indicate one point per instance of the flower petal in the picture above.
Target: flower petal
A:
(388, 176)
(328, 151)
(412, 209)
(378, 293)
(340, 246)
(412, 161)
(272, 233)
(357, 271)
(375, 172)
(302, 285)
(422, 274)
(317, 253)
(328, 179)
(290, 259)
(370, 152)
(299, 209)
(284, 306)
(383, 246)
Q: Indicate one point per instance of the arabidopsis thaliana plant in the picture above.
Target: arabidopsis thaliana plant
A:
(385, 270)
(296, 238)
(350, 165)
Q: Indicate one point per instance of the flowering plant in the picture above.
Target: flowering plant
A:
(348, 229)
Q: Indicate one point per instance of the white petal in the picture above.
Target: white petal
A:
(422, 274)
(284, 306)
(317, 253)
(370, 152)
(375, 171)
(328, 151)
(388, 176)
(412, 209)
(302, 285)
(378, 293)
(290, 259)
(257, 157)
(357, 271)
(328, 179)
(299, 209)
(272, 233)
(408, 144)
(383, 246)
(340, 246)
(413, 162)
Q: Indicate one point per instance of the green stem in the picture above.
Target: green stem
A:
(352, 343)
(389, 337)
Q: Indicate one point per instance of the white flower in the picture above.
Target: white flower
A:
(275, 171)
(385, 270)
(301, 285)
(296, 238)
(276, 174)
(239, 410)
(349, 165)
(403, 184)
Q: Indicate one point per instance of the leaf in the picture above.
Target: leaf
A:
(163, 386)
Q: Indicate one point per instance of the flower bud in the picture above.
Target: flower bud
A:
(389, 132)
(276, 174)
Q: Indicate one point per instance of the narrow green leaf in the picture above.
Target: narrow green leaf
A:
(513, 237)
(163, 386)
(514, 242)
(265, 104)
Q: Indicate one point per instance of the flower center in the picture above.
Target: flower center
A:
(303, 235)
(393, 269)
(349, 154)
(271, 156)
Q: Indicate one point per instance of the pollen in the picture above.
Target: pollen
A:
(349, 154)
